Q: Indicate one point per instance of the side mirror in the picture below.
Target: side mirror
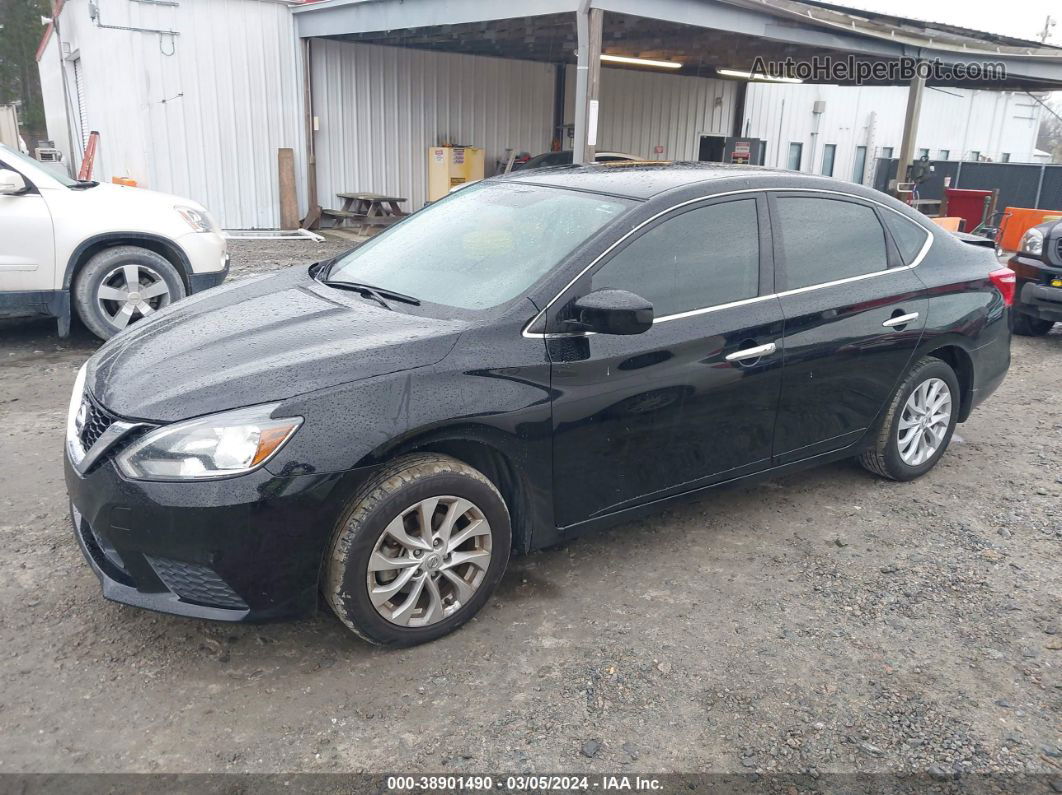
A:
(11, 183)
(613, 312)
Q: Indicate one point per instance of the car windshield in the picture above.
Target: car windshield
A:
(481, 246)
(15, 159)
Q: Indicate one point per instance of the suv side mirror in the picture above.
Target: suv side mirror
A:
(612, 312)
(11, 183)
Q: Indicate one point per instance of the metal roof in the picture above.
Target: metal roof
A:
(704, 35)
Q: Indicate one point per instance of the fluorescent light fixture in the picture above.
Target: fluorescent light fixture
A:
(641, 61)
(756, 76)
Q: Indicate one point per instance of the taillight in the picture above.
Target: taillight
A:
(1005, 282)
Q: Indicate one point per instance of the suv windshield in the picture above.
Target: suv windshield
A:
(15, 159)
(481, 246)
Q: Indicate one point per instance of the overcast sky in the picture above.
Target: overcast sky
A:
(1021, 18)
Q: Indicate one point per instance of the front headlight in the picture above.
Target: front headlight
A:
(74, 418)
(220, 445)
(199, 220)
(1032, 242)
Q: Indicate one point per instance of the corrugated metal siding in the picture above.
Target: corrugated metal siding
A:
(55, 115)
(957, 120)
(640, 110)
(201, 114)
(380, 108)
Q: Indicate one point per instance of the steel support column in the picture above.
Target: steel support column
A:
(910, 128)
(588, 22)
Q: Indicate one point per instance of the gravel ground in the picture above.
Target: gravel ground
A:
(822, 622)
(260, 256)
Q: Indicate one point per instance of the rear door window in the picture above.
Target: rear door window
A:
(823, 240)
(908, 236)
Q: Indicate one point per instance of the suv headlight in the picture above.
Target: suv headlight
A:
(1032, 242)
(219, 445)
(199, 220)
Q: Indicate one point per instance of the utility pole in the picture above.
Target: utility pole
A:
(1045, 34)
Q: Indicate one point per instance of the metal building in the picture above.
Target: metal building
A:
(192, 97)
(195, 96)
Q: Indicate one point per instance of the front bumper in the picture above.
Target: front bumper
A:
(208, 259)
(197, 282)
(1041, 301)
(1035, 295)
(246, 548)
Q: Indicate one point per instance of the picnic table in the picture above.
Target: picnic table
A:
(367, 209)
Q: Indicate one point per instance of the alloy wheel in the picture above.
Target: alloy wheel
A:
(131, 291)
(924, 422)
(429, 561)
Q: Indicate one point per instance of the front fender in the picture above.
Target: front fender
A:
(367, 421)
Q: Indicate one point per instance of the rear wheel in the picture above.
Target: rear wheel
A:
(1028, 326)
(122, 285)
(422, 547)
(918, 423)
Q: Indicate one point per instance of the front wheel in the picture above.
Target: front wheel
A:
(918, 423)
(1028, 326)
(122, 285)
(419, 552)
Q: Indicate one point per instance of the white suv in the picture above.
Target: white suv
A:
(116, 253)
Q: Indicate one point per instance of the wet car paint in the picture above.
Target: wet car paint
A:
(585, 431)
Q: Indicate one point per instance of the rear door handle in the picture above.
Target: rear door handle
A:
(901, 320)
(752, 353)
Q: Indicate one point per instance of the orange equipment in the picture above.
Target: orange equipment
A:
(89, 160)
(1017, 221)
(951, 223)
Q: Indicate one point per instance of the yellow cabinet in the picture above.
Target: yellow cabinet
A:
(452, 165)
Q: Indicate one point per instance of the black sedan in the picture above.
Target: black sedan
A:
(531, 357)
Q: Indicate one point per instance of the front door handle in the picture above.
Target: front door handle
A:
(752, 353)
(900, 320)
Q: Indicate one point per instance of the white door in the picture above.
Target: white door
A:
(27, 243)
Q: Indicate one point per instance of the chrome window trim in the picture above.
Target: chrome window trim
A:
(692, 312)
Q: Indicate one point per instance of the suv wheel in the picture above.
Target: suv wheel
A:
(1028, 326)
(918, 423)
(121, 285)
(419, 552)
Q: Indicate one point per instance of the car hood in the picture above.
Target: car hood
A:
(135, 197)
(257, 341)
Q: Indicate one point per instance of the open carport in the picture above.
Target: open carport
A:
(390, 79)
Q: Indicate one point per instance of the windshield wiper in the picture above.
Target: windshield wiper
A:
(81, 184)
(372, 290)
(360, 289)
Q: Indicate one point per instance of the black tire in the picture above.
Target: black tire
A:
(106, 266)
(1028, 326)
(883, 457)
(401, 484)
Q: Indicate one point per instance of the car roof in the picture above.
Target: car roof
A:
(645, 179)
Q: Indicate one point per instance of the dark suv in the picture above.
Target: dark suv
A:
(1038, 268)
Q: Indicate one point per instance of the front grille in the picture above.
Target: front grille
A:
(97, 420)
(196, 583)
(1058, 249)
